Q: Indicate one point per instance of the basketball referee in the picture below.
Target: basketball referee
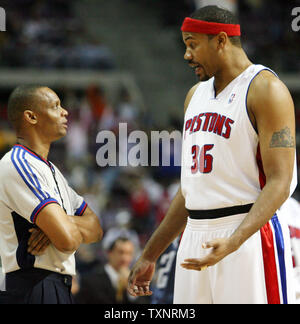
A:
(42, 220)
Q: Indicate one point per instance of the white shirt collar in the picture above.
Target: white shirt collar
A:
(113, 274)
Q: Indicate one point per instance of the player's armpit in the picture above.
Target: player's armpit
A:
(56, 225)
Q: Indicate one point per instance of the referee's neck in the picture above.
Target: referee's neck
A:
(38, 147)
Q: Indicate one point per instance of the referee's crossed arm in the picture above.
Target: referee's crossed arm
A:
(65, 232)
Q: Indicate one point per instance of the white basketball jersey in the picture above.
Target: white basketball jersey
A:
(221, 163)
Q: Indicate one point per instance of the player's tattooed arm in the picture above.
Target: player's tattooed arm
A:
(282, 138)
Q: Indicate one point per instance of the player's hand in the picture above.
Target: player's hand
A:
(140, 278)
(38, 242)
(220, 248)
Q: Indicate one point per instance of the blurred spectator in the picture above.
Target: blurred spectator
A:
(107, 283)
(122, 228)
(47, 34)
(97, 101)
(90, 55)
(77, 138)
(163, 281)
(126, 110)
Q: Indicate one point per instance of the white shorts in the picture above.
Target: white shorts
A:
(259, 272)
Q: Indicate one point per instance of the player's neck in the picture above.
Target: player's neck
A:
(40, 148)
(233, 66)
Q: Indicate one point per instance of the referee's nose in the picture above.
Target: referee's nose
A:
(64, 112)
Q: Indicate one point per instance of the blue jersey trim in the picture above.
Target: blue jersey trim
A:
(39, 187)
(22, 175)
(80, 211)
(263, 69)
(32, 153)
(40, 207)
(280, 253)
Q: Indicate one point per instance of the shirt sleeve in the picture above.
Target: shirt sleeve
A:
(25, 190)
(78, 203)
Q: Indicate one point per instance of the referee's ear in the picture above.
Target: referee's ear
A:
(30, 117)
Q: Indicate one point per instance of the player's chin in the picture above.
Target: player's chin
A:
(203, 77)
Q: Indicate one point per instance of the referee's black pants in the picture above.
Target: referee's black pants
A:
(37, 286)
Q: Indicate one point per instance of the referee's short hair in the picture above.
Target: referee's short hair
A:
(22, 98)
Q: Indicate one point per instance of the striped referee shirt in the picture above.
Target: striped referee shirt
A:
(28, 183)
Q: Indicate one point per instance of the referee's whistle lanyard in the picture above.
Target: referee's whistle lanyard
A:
(53, 173)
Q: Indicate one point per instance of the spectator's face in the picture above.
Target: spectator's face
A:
(199, 54)
(121, 255)
(51, 117)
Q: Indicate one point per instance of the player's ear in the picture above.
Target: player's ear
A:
(221, 40)
(30, 117)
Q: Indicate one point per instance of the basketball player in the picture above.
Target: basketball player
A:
(238, 168)
(163, 287)
(42, 220)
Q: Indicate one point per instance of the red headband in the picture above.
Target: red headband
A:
(210, 28)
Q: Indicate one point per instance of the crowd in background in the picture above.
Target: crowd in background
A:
(130, 201)
(47, 34)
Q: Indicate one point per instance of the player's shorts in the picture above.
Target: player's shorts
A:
(259, 272)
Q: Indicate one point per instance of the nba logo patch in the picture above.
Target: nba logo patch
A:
(231, 98)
